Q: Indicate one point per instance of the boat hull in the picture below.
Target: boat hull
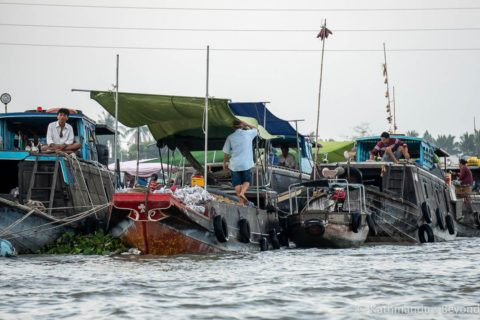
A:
(337, 233)
(33, 233)
(164, 226)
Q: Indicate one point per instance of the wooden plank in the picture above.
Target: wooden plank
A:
(54, 184)
(32, 178)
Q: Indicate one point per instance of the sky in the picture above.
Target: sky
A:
(435, 90)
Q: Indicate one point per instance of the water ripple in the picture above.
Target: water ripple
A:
(431, 281)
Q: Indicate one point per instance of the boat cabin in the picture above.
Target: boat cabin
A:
(23, 133)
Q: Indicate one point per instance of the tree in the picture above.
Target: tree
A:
(148, 150)
(467, 144)
(362, 130)
(428, 137)
(412, 133)
(447, 143)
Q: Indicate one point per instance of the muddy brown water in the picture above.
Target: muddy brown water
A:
(429, 281)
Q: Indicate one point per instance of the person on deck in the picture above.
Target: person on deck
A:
(390, 149)
(286, 159)
(465, 178)
(60, 135)
(239, 146)
(153, 184)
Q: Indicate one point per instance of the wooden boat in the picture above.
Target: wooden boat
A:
(328, 214)
(410, 202)
(167, 225)
(45, 194)
(467, 204)
(160, 224)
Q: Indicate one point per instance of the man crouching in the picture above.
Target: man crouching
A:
(60, 134)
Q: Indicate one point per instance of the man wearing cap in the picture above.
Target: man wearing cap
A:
(390, 149)
(239, 146)
(60, 134)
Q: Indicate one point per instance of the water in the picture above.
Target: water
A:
(430, 281)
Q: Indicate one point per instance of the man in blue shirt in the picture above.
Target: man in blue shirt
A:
(239, 146)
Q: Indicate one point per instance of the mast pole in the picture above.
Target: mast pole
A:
(388, 90)
(394, 111)
(115, 144)
(138, 155)
(324, 27)
(205, 165)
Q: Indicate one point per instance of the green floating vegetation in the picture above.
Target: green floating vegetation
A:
(97, 243)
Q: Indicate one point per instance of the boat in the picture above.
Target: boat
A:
(328, 213)
(467, 204)
(410, 202)
(163, 224)
(44, 194)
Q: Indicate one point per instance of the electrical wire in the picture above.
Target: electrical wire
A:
(234, 49)
(233, 30)
(239, 9)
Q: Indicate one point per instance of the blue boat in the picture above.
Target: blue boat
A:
(44, 194)
(409, 201)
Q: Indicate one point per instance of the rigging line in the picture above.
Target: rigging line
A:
(238, 9)
(233, 30)
(233, 49)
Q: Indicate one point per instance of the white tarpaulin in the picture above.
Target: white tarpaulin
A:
(144, 169)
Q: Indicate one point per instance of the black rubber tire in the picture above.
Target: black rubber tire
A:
(356, 222)
(314, 227)
(274, 239)
(284, 239)
(450, 224)
(263, 244)
(427, 214)
(440, 218)
(244, 227)
(371, 225)
(221, 228)
(476, 216)
(421, 233)
(356, 175)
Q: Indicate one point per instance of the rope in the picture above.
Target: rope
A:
(64, 222)
(83, 178)
(4, 231)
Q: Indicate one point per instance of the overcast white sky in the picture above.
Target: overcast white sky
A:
(434, 90)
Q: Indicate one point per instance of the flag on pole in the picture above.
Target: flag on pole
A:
(324, 32)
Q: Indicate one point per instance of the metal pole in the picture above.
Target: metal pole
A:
(298, 151)
(205, 171)
(318, 111)
(138, 155)
(256, 168)
(115, 145)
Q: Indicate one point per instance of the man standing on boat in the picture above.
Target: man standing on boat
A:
(60, 134)
(239, 146)
(390, 149)
(465, 178)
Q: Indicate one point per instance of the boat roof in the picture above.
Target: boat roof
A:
(31, 114)
(438, 151)
(173, 119)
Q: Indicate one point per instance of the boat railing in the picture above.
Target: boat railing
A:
(310, 188)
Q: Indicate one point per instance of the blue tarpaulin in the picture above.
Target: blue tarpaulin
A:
(257, 110)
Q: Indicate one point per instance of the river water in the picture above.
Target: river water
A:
(428, 281)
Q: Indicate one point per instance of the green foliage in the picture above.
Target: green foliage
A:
(446, 142)
(412, 133)
(98, 243)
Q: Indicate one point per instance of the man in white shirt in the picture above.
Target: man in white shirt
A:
(239, 146)
(60, 134)
(286, 159)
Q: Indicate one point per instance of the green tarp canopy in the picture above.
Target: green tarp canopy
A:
(173, 119)
(334, 150)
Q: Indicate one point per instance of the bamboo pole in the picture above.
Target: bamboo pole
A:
(205, 164)
(324, 27)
